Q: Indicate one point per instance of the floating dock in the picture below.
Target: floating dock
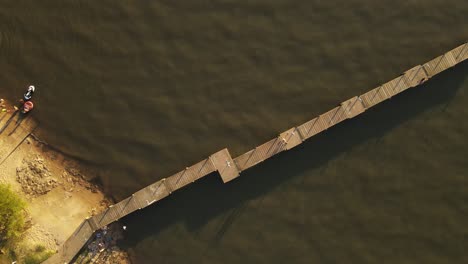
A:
(230, 168)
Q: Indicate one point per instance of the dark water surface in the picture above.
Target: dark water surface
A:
(142, 89)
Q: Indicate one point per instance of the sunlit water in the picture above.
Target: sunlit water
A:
(142, 89)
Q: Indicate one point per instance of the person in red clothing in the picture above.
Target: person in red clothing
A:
(27, 106)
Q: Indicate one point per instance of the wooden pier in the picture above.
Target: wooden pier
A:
(230, 168)
(14, 129)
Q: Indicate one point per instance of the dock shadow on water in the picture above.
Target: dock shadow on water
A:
(207, 198)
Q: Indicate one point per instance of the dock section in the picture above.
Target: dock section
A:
(224, 164)
(229, 168)
(291, 138)
(73, 244)
(14, 129)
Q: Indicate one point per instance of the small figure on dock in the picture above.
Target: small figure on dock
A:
(29, 93)
(423, 80)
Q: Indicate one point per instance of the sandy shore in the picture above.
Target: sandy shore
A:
(57, 190)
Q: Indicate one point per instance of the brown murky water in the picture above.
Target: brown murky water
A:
(142, 89)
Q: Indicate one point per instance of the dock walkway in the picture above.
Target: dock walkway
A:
(230, 168)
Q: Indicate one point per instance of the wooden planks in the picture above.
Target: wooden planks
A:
(152, 193)
(73, 244)
(191, 174)
(347, 109)
(334, 116)
(312, 127)
(291, 138)
(4, 116)
(460, 53)
(410, 78)
(260, 153)
(353, 107)
(439, 64)
(229, 168)
(396, 86)
(415, 76)
(373, 97)
(225, 165)
(155, 192)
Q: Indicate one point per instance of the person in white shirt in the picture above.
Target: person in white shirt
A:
(29, 93)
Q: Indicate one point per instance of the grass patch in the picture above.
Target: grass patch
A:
(11, 214)
(39, 248)
(37, 255)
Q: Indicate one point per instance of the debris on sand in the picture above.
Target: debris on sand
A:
(34, 177)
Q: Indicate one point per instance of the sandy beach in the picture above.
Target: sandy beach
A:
(57, 189)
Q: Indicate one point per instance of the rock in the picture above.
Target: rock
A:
(73, 171)
(34, 177)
